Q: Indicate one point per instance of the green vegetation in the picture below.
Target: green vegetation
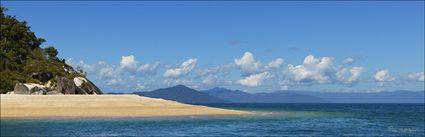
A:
(21, 58)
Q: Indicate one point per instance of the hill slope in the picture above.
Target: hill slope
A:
(25, 65)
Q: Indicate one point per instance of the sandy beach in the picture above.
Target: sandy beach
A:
(15, 106)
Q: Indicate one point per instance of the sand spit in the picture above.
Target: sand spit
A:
(15, 106)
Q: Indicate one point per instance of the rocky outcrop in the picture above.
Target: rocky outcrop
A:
(79, 85)
(86, 86)
(30, 89)
(65, 86)
(20, 88)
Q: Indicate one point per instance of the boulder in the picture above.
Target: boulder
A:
(65, 86)
(20, 88)
(29, 89)
(79, 85)
(78, 81)
(91, 88)
(85, 86)
(80, 90)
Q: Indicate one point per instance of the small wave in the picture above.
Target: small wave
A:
(402, 130)
(265, 113)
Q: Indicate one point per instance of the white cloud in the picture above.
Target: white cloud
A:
(140, 86)
(320, 70)
(313, 70)
(248, 64)
(254, 80)
(349, 76)
(210, 80)
(417, 76)
(276, 63)
(109, 72)
(355, 74)
(186, 82)
(217, 70)
(86, 67)
(183, 69)
(81, 65)
(348, 60)
(128, 62)
(148, 68)
(383, 76)
(115, 81)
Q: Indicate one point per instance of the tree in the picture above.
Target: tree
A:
(51, 52)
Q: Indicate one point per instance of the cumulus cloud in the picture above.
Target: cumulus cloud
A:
(221, 70)
(276, 63)
(81, 65)
(248, 64)
(349, 76)
(210, 80)
(417, 76)
(115, 81)
(128, 62)
(187, 82)
(183, 69)
(139, 86)
(254, 80)
(108, 72)
(383, 76)
(320, 70)
(148, 68)
(313, 70)
(348, 60)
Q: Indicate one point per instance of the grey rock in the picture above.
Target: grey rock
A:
(20, 88)
(65, 86)
(85, 86)
(90, 88)
(38, 91)
(80, 90)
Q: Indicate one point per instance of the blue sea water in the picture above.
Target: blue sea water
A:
(270, 120)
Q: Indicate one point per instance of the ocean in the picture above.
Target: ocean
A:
(271, 120)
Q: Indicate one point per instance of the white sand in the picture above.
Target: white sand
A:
(100, 106)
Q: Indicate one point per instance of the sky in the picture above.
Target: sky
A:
(332, 46)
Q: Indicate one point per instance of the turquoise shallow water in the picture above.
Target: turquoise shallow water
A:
(271, 120)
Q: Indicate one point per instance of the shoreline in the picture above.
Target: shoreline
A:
(102, 106)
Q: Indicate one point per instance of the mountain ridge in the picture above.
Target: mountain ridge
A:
(225, 95)
(183, 94)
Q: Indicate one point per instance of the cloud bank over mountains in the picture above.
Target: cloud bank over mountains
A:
(131, 74)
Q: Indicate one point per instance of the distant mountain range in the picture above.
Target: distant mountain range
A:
(185, 94)
(275, 97)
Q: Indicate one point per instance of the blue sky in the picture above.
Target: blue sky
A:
(253, 46)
